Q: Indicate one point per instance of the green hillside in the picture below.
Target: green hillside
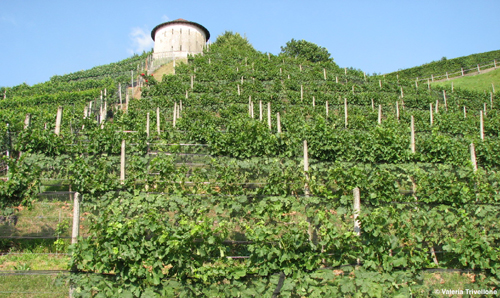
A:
(239, 176)
(481, 82)
(439, 68)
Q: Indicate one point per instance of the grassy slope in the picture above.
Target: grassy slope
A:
(481, 82)
(448, 65)
(167, 69)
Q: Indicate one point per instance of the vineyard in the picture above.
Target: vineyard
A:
(247, 174)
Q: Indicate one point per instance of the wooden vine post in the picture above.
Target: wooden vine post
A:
(481, 125)
(412, 140)
(397, 111)
(473, 156)
(175, 114)
(430, 110)
(147, 124)
(345, 111)
(312, 230)
(122, 163)
(445, 101)
(58, 120)
(326, 106)
(434, 257)
(76, 218)
(269, 115)
(27, 121)
(356, 210)
(158, 120)
(306, 168)
(75, 232)
(379, 114)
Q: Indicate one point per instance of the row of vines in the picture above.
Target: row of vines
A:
(220, 204)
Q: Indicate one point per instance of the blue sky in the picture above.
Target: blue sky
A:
(39, 39)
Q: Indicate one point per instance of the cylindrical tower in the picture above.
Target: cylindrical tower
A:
(178, 38)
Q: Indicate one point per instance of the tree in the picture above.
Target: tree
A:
(308, 50)
(233, 41)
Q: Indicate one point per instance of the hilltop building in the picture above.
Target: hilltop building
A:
(178, 38)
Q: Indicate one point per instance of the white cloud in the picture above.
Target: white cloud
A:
(165, 18)
(141, 41)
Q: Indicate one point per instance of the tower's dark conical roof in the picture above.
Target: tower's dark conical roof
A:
(180, 21)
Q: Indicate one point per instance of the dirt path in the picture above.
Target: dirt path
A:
(167, 69)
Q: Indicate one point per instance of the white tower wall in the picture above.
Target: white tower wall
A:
(178, 40)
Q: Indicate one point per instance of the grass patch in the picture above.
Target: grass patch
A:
(481, 82)
(23, 286)
(30, 261)
(438, 281)
(48, 218)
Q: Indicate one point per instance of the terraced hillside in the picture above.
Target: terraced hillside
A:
(458, 66)
(239, 176)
